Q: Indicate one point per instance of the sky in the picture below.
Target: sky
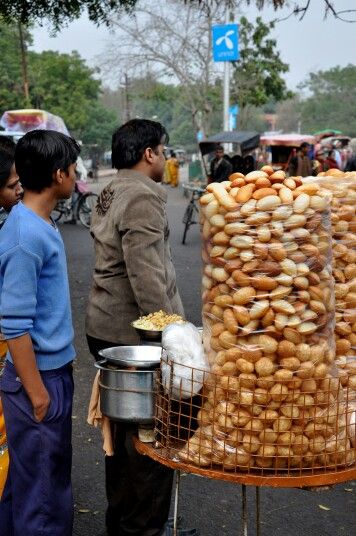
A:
(307, 46)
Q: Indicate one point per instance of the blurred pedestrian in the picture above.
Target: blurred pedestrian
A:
(351, 162)
(173, 167)
(220, 166)
(133, 276)
(330, 160)
(37, 384)
(300, 164)
(249, 164)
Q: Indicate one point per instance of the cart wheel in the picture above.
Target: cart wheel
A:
(187, 220)
(58, 211)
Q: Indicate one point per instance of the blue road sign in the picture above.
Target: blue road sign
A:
(233, 113)
(226, 42)
(234, 109)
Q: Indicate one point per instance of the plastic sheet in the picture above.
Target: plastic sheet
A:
(272, 400)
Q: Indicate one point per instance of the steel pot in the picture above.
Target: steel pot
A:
(127, 395)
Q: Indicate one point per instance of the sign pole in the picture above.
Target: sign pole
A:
(226, 95)
(226, 49)
(226, 121)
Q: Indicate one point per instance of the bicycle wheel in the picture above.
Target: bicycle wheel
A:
(187, 220)
(58, 211)
(85, 207)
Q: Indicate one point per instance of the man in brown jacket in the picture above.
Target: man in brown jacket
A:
(133, 276)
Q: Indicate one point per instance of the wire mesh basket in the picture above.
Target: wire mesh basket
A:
(255, 426)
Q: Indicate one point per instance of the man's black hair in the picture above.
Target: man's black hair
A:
(304, 144)
(219, 148)
(130, 141)
(7, 158)
(40, 153)
(173, 154)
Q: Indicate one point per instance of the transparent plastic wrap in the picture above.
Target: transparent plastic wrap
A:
(272, 400)
(343, 219)
(182, 345)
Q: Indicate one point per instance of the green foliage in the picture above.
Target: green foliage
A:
(11, 91)
(59, 83)
(332, 100)
(257, 76)
(60, 13)
(100, 124)
(99, 11)
(64, 85)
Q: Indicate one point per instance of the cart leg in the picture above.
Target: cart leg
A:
(176, 501)
(244, 511)
(258, 532)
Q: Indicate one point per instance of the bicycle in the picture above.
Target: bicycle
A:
(78, 207)
(192, 209)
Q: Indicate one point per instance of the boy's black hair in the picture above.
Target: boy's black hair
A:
(130, 141)
(7, 158)
(40, 153)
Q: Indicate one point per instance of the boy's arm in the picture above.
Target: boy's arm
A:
(20, 271)
(23, 356)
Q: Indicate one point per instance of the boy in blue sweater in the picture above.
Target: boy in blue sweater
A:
(37, 385)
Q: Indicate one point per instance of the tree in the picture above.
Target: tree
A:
(257, 75)
(181, 49)
(102, 11)
(155, 40)
(64, 85)
(100, 124)
(11, 85)
(289, 115)
(332, 100)
(60, 83)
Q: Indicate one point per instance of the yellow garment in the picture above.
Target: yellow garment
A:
(167, 175)
(4, 455)
(173, 166)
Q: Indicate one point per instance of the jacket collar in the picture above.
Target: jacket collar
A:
(131, 174)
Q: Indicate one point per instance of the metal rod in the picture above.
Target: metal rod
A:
(244, 511)
(176, 501)
(258, 532)
(226, 95)
(226, 121)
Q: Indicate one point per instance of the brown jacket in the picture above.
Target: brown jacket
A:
(133, 274)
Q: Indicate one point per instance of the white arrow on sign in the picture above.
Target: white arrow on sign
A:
(229, 44)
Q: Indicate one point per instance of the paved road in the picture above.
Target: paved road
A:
(213, 507)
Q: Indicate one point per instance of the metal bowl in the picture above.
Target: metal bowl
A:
(133, 356)
(149, 334)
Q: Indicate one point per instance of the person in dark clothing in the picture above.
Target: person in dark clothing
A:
(220, 166)
(132, 256)
(238, 164)
(300, 165)
(249, 164)
(351, 162)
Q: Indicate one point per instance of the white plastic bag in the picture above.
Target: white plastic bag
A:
(183, 349)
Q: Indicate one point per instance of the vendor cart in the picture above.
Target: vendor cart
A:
(283, 147)
(242, 143)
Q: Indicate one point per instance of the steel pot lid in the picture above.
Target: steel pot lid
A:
(133, 356)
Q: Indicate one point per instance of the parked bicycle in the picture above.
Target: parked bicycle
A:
(78, 207)
(191, 214)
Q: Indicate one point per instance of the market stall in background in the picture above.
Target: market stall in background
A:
(280, 148)
(238, 145)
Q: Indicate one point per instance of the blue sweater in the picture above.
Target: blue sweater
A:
(34, 290)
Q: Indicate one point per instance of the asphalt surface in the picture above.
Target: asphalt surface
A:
(213, 507)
